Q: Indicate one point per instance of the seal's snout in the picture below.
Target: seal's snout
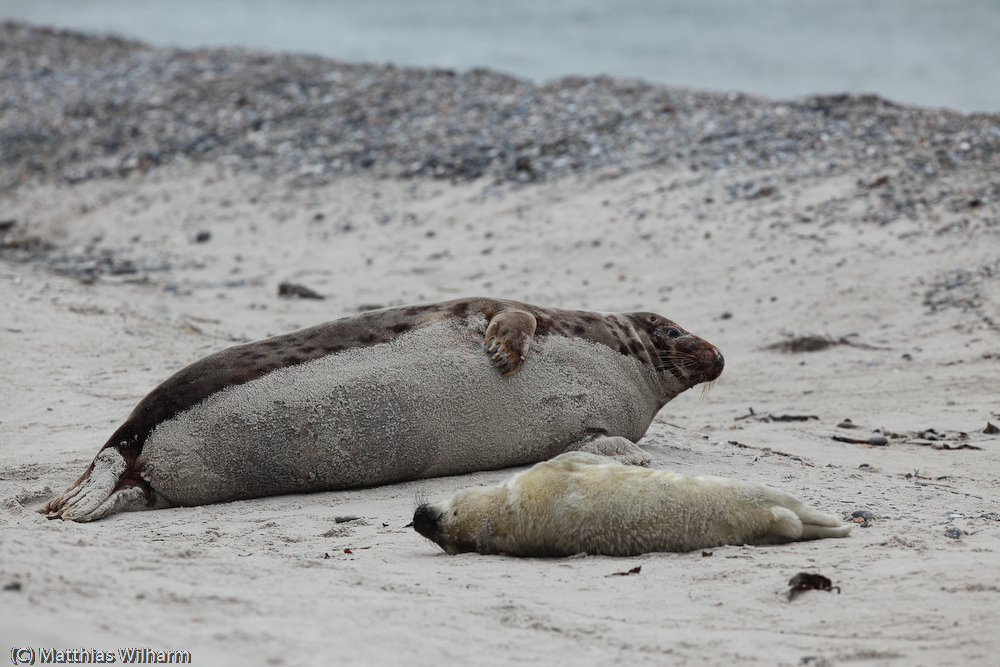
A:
(717, 365)
(691, 360)
(425, 521)
(710, 362)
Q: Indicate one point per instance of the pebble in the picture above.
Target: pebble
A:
(863, 518)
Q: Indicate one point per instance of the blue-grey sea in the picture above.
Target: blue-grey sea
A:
(929, 52)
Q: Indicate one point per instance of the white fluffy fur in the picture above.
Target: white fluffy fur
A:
(580, 502)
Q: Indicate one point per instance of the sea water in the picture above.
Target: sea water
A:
(930, 52)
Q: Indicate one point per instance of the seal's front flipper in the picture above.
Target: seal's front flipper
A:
(105, 488)
(508, 338)
(621, 449)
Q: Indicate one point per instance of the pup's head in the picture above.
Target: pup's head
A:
(455, 525)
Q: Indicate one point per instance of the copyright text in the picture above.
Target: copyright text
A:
(29, 655)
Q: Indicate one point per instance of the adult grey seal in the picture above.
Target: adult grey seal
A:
(393, 395)
(579, 502)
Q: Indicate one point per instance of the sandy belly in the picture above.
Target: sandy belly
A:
(423, 405)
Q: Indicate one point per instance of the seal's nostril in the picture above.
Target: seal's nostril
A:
(719, 364)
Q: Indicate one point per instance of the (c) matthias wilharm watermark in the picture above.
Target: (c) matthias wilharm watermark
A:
(29, 655)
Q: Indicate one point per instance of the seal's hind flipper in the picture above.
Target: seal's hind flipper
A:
(817, 525)
(106, 487)
(508, 339)
(794, 521)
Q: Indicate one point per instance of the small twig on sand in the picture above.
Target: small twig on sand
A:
(776, 418)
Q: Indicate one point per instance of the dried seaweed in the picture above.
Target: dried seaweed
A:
(290, 290)
(814, 343)
(805, 581)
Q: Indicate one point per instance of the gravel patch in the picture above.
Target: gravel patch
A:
(75, 107)
(972, 290)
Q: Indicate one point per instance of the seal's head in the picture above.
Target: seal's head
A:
(455, 525)
(689, 359)
(427, 521)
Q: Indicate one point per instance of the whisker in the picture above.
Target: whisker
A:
(686, 363)
(705, 388)
(419, 499)
(683, 366)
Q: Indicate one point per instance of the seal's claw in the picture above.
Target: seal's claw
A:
(506, 362)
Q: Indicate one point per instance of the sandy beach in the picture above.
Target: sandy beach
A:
(843, 252)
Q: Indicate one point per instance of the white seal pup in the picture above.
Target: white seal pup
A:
(389, 396)
(580, 502)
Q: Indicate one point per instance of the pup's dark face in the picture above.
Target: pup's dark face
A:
(426, 521)
(454, 525)
(442, 525)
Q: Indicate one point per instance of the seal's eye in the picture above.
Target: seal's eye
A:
(673, 333)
